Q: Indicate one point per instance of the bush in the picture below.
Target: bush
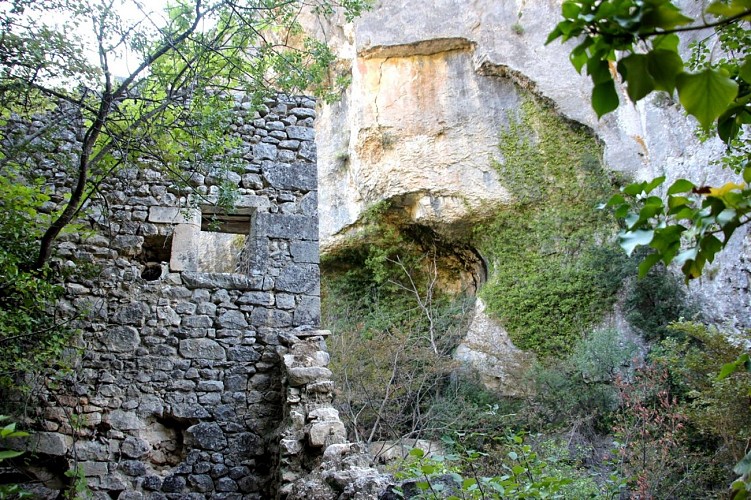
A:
(522, 473)
(579, 389)
(30, 335)
(718, 416)
(394, 329)
(655, 301)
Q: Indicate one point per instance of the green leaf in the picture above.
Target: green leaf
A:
(416, 452)
(729, 368)
(665, 15)
(579, 60)
(722, 9)
(604, 98)
(743, 467)
(599, 70)
(647, 263)
(710, 245)
(745, 70)
(666, 42)
(680, 186)
(664, 66)
(570, 10)
(706, 95)
(654, 183)
(427, 469)
(747, 174)
(629, 240)
(633, 69)
(5, 454)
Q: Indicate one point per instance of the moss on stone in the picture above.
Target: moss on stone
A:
(553, 272)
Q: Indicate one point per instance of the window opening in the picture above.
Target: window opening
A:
(223, 242)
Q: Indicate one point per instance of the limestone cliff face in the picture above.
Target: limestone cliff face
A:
(434, 82)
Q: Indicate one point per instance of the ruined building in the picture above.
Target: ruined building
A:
(202, 372)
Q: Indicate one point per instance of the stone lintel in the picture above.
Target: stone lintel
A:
(311, 333)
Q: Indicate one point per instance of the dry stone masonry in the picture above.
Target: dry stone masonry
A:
(202, 372)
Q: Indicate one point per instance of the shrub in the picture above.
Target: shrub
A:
(30, 335)
(579, 388)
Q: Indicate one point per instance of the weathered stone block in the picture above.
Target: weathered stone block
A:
(134, 447)
(305, 252)
(201, 348)
(226, 484)
(91, 450)
(308, 150)
(308, 311)
(301, 133)
(49, 443)
(210, 386)
(290, 446)
(206, 435)
(246, 443)
(201, 482)
(127, 244)
(132, 467)
(199, 321)
(290, 176)
(264, 151)
(256, 298)
(184, 256)
(306, 374)
(243, 354)
(327, 433)
(153, 483)
(131, 314)
(285, 301)
(189, 411)
(124, 420)
(324, 414)
(173, 484)
(226, 281)
(299, 278)
(174, 215)
(121, 339)
(272, 318)
(232, 319)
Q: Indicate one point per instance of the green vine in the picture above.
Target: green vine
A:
(552, 273)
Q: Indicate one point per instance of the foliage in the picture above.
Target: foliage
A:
(579, 389)
(29, 333)
(551, 275)
(718, 417)
(7, 432)
(172, 106)
(79, 487)
(639, 40)
(656, 300)
(523, 473)
(393, 331)
(650, 434)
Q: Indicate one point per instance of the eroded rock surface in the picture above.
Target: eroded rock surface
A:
(431, 89)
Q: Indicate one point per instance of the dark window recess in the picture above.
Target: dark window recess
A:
(155, 250)
(223, 242)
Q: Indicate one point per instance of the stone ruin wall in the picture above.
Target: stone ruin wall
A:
(193, 383)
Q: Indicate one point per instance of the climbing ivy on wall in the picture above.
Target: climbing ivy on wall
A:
(552, 271)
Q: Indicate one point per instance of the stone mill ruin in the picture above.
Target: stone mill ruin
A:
(202, 370)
